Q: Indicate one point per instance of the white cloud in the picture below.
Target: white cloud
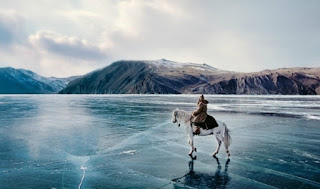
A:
(133, 17)
(46, 63)
(70, 46)
(11, 25)
(54, 37)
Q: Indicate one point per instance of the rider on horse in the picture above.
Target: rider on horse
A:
(199, 116)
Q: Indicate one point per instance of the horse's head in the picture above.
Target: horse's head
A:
(175, 117)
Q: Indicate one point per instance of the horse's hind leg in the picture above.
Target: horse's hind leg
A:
(227, 150)
(218, 148)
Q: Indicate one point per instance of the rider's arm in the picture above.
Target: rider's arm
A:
(198, 111)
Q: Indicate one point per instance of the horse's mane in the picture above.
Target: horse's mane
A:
(184, 115)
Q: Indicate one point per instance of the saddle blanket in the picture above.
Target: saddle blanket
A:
(209, 123)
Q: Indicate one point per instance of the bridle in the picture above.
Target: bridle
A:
(175, 118)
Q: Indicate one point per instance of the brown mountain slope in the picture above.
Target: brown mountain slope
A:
(167, 77)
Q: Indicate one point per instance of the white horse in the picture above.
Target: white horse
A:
(221, 132)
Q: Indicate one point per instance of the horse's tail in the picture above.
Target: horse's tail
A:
(227, 138)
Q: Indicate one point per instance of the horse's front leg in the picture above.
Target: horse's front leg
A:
(218, 148)
(190, 142)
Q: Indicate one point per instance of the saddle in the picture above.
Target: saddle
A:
(209, 123)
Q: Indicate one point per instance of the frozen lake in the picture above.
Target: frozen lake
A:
(129, 141)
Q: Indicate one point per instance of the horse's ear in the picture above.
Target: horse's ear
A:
(177, 109)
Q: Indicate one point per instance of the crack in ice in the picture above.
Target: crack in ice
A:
(83, 175)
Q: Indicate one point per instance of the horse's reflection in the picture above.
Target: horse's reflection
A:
(218, 179)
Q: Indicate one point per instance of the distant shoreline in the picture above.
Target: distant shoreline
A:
(57, 94)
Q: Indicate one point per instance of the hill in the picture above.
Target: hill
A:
(168, 77)
(20, 81)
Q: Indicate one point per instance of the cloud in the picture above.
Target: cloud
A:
(11, 25)
(134, 18)
(53, 37)
(70, 46)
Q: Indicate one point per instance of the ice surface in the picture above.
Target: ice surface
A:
(129, 141)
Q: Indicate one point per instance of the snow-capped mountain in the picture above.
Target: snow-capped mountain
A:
(168, 77)
(163, 63)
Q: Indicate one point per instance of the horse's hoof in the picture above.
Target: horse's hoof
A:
(195, 149)
(193, 157)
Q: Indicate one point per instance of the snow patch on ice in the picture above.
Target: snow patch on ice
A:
(128, 152)
(313, 117)
(307, 154)
(281, 160)
(215, 107)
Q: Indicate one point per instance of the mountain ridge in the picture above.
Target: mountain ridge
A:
(22, 81)
(168, 77)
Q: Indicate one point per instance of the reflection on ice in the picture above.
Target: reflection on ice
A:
(218, 178)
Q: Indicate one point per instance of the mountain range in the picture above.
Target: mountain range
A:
(168, 77)
(21, 81)
(164, 77)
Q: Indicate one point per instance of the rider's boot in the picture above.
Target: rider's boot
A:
(197, 131)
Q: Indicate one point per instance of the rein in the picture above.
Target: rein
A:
(182, 115)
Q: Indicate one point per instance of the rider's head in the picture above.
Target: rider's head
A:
(201, 99)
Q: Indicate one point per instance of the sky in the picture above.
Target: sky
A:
(73, 37)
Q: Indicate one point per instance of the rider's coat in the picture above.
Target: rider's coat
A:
(200, 115)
